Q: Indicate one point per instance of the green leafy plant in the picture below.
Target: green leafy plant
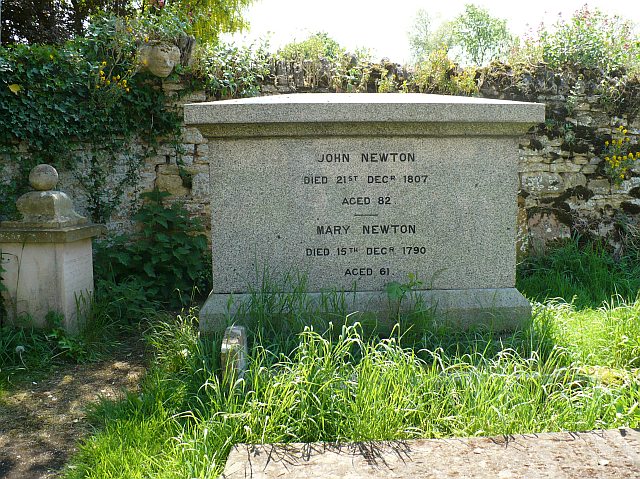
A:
(591, 39)
(81, 104)
(167, 258)
(480, 37)
(387, 82)
(67, 345)
(619, 159)
(397, 291)
(166, 24)
(316, 46)
(441, 75)
(229, 71)
(208, 18)
(424, 39)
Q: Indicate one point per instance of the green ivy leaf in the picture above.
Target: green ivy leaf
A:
(148, 268)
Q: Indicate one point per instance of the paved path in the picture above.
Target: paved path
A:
(588, 455)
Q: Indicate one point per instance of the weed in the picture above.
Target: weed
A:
(165, 261)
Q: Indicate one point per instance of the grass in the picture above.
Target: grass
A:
(28, 354)
(317, 376)
(582, 272)
(574, 367)
(354, 388)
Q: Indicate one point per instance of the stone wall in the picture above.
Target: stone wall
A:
(563, 186)
(562, 183)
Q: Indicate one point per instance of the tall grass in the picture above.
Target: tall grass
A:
(347, 385)
(581, 271)
(318, 376)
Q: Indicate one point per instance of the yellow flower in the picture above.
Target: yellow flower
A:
(624, 132)
(51, 56)
(606, 143)
(607, 159)
(108, 82)
(104, 64)
(638, 155)
(128, 90)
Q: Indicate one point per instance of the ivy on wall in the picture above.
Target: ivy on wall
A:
(82, 102)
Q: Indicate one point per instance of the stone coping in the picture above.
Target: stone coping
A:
(52, 235)
(499, 309)
(605, 454)
(363, 108)
(370, 130)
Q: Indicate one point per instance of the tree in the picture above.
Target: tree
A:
(53, 21)
(209, 18)
(424, 40)
(479, 36)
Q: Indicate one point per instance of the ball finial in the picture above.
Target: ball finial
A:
(43, 177)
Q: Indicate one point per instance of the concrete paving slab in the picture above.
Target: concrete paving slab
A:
(595, 454)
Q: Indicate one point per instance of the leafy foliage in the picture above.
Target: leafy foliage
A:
(229, 71)
(55, 99)
(316, 46)
(480, 37)
(209, 18)
(53, 21)
(592, 40)
(325, 62)
(424, 39)
(441, 75)
(167, 259)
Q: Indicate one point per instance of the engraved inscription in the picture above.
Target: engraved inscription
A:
(388, 229)
(387, 157)
(332, 229)
(334, 158)
(346, 190)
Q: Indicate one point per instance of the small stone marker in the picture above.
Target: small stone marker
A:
(358, 191)
(47, 255)
(611, 454)
(233, 354)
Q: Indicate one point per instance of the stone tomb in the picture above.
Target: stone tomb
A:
(359, 190)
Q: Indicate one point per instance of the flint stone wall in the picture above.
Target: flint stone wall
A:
(562, 183)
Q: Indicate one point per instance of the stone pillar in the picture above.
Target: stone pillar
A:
(47, 256)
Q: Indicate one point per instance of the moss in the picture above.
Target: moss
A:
(630, 208)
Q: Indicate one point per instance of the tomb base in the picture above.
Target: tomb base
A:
(501, 309)
(47, 271)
